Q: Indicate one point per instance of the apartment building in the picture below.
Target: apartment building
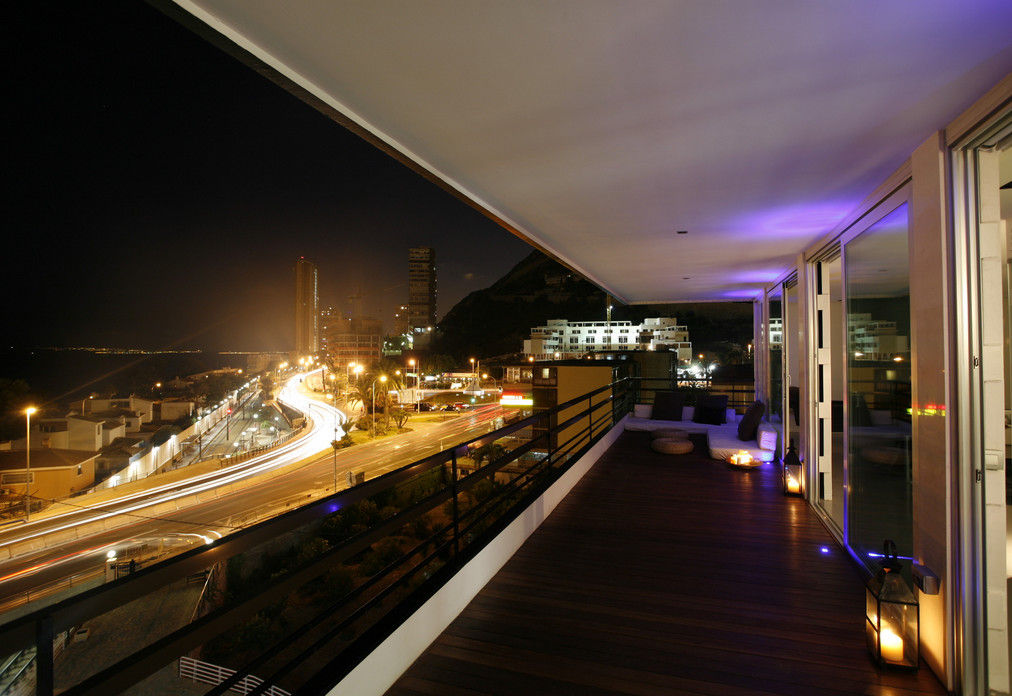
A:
(421, 312)
(562, 339)
(307, 306)
(357, 340)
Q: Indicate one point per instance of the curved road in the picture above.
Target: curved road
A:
(278, 487)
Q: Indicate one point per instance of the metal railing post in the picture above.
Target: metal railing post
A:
(44, 656)
(456, 512)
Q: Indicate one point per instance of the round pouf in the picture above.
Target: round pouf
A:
(674, 433)
(671, 446)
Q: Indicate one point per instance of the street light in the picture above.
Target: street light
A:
(372, 422)
(418, 395)
(28, 468)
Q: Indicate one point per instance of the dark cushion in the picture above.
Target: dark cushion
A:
(710, 409)
(667, 405)
(750, 421)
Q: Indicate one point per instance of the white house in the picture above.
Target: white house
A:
(560, 339)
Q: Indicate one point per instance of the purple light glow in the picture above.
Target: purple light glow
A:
(741, 293)
(803, 221)
(763, 276)
(333, 508)
(876, 555)
(824, 550)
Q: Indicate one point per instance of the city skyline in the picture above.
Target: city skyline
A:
(164, 190)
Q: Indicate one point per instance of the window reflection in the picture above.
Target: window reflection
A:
(879, 388)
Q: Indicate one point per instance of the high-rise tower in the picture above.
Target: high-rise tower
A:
(306, 308)
(421, 287)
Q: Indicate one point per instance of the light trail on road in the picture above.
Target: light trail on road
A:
(262, 486)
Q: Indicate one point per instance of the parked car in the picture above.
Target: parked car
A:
(423, 406)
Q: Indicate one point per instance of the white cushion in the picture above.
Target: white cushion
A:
(723, 442)
(767, 438)
(643, 410)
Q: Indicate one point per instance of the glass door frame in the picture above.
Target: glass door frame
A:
(968, 552)
(838, 246)
(785, 333)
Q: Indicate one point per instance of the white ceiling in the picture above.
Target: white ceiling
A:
(599, 128)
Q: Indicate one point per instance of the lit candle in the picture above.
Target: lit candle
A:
(793, 486)
(892, 645)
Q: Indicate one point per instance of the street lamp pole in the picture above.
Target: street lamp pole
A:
(28, 468)
(418, 395)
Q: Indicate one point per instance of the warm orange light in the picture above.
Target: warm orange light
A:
(741, 458)
(30, 410)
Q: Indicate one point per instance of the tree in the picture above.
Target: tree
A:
(487, 453)
(399, 415)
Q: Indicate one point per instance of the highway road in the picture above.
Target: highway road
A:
(215, 504)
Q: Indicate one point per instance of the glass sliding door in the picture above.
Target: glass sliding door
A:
(793, 348)
(775, 344)
(879, 387)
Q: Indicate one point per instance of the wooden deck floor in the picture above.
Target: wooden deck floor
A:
(666, 575)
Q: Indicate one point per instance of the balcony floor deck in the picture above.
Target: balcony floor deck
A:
(666, 575)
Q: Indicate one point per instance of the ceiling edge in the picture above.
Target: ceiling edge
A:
(223, 36)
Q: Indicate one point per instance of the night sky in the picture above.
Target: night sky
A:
(162, 192)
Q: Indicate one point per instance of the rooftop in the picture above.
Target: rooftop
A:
(43, 457)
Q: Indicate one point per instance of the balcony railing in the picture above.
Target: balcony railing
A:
(299, 600)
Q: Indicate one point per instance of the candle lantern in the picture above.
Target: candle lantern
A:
(892, 614)
(792, 472)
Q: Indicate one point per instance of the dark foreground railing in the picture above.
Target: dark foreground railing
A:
(298, 600)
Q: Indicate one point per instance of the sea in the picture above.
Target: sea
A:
(57, 376)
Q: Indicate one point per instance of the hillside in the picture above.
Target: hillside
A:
(495, 321)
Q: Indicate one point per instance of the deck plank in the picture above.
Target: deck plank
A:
(662, 574)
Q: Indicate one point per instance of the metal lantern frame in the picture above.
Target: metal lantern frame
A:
(892, 615)
(792, 472)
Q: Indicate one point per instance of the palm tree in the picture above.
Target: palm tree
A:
(360, 390)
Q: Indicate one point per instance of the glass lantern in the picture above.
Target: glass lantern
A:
(792, 472)
(892, 615)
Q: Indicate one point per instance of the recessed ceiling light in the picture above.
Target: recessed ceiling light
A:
(681, 233)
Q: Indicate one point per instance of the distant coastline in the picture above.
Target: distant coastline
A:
(57, 376)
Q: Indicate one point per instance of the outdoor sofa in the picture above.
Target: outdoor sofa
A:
(721, 438)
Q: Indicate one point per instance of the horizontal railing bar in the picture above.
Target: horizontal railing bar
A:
(332, 609)
(124, 674)
(368, 605)
(19, 633)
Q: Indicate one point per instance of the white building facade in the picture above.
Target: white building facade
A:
(560, 339)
